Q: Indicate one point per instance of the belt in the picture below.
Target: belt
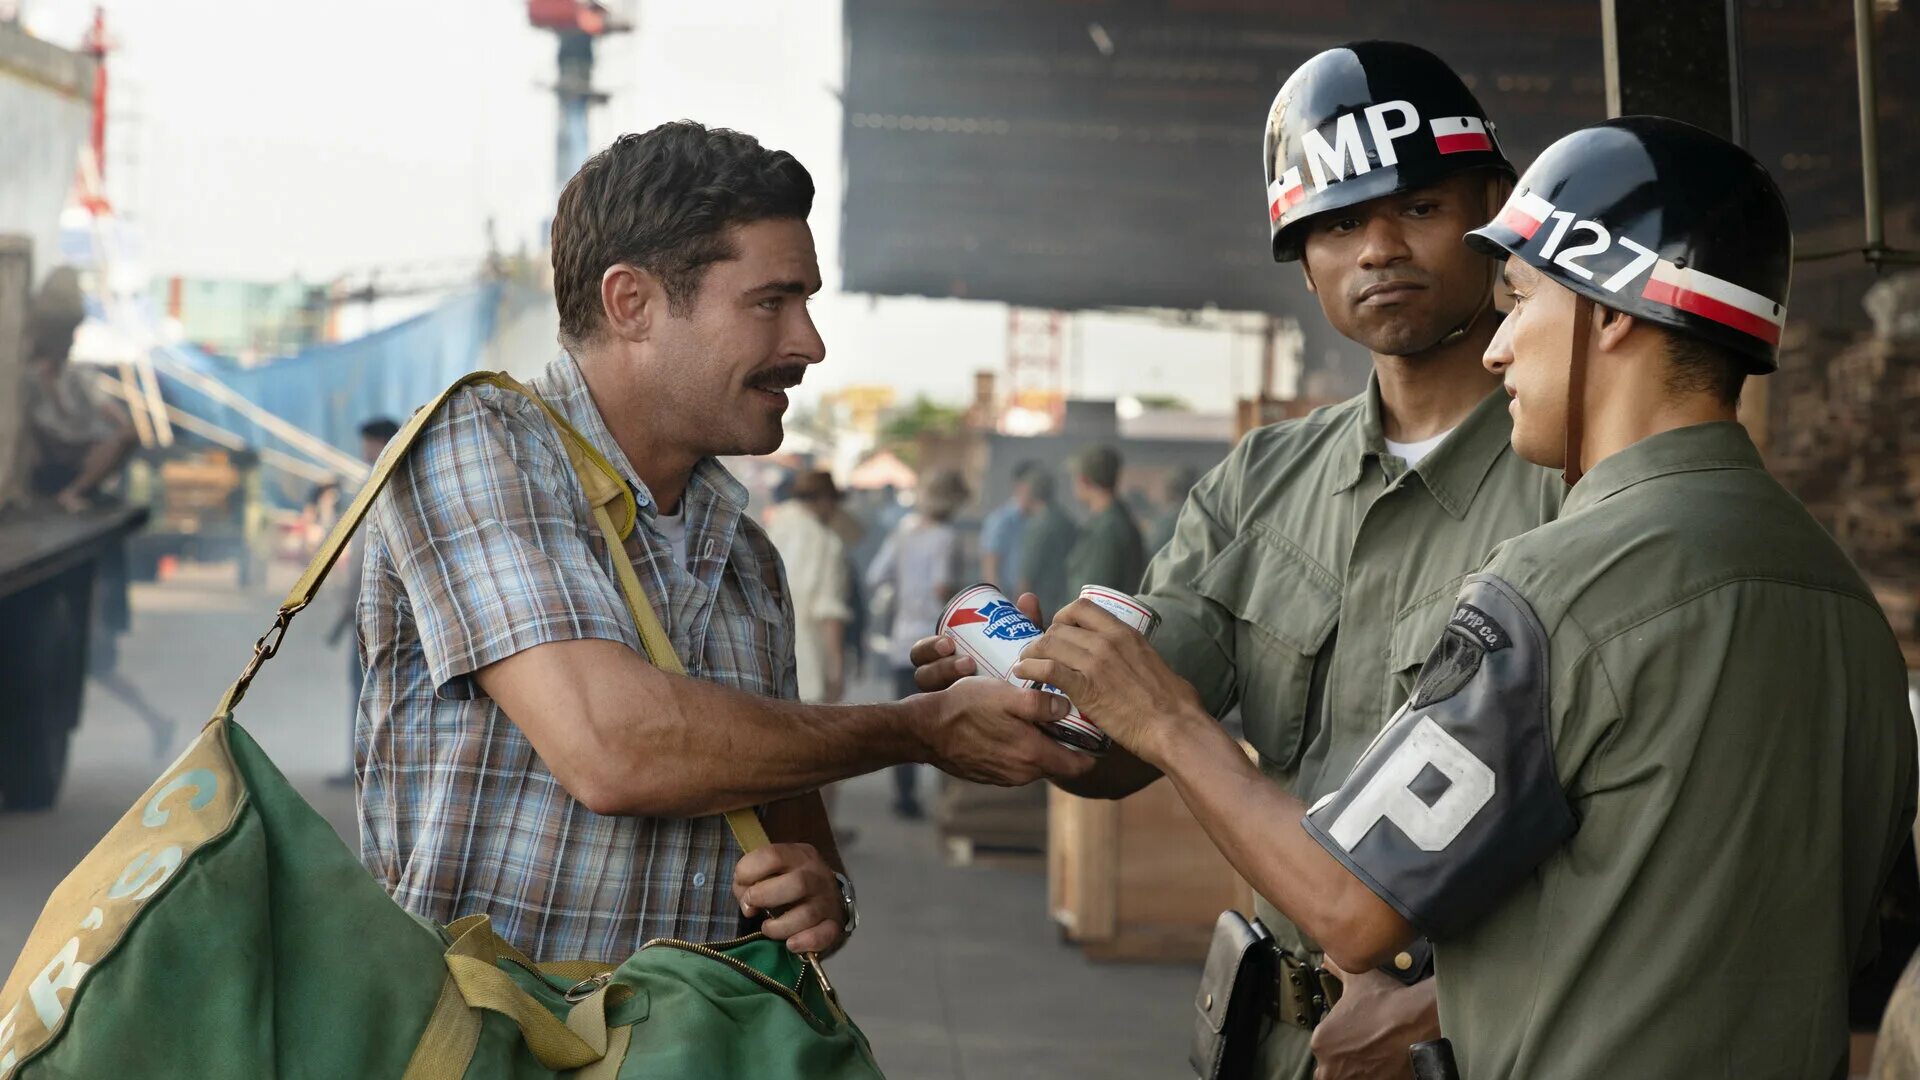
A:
(1305, 991)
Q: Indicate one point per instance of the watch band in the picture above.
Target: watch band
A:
(847, 903)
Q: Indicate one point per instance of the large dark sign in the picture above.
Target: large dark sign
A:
(1106, 153)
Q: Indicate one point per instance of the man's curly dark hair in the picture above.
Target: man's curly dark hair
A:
(663, 201)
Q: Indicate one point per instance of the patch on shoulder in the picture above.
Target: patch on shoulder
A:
(1482, 628)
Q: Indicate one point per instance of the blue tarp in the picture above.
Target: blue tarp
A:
(330, 390)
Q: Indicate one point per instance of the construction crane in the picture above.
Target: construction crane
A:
(577, 24)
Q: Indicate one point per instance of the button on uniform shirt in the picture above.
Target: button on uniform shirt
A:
(481, 547)
(1726, 710)
(1307, 578)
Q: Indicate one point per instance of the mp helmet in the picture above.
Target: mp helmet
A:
(1367, 119)
(1663, 221)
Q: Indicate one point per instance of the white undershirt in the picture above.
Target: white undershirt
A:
(1412, 452)
(674, 527)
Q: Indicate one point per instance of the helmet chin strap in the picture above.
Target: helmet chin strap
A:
(1577, 389)
(1493, 275)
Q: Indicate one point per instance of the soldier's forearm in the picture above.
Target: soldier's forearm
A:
(1256, 824)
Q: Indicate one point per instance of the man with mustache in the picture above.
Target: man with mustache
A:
(517, 755)
(1310, 571)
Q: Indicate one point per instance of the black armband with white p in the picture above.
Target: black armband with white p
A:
(1457, 800)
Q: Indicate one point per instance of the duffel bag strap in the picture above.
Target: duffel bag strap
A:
(475, 981)
(607, 493)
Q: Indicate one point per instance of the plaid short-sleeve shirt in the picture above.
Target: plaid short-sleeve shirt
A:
(483, 545)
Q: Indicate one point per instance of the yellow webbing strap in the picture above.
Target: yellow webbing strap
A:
(608, 1067)
(748, 832)
(445, 1051)
(475, 981)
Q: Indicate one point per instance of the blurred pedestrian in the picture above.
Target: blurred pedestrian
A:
(79, 439)
(1005, 530)
(921, 561)
(816, 563)
(374, 436)
(1109, 550)
(1173, 496)
(1050, 534)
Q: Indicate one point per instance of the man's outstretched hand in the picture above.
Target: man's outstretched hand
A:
(986, 730)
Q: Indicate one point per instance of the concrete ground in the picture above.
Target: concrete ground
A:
(956, 972)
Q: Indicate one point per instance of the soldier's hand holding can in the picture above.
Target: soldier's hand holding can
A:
(1110, 671)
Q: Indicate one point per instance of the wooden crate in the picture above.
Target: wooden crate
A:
(1137, 878)
(975, 818)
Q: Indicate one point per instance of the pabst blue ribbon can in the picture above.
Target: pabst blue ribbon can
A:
(985, 625)
(1127, 609)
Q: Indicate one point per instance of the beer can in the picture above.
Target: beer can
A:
(1127, 609)
(1085, 734)
(985, 625)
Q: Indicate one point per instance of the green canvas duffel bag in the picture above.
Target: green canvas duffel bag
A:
(221, 930)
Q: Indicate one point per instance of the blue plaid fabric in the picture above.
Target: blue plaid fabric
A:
(482, 546)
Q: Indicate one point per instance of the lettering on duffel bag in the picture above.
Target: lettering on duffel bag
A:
(195, 801)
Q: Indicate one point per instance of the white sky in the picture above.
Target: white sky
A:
(279, 137)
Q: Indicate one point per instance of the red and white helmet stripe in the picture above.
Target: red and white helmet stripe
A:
(1712, 298)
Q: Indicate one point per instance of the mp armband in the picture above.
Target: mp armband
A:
(1458, 799)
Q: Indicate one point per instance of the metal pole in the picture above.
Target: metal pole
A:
(1736, 85)
(1869, 126)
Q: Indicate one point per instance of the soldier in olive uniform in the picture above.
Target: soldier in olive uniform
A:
(1049, 536)
(1653, 776)
(1310, 572)
(1109, 550)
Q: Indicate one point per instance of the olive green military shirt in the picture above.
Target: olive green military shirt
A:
(1043, 556)
(1728, 721)
(1308, 576)
(1109, 552)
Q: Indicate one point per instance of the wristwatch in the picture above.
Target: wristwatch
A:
(846, 901)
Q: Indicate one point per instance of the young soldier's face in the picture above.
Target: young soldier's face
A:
(1393, 273)
(1530, 352)
(748, 338)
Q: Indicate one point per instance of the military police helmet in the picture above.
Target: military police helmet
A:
(1663, 221)
(1367, 119)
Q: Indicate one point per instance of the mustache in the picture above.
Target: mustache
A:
(782, 377)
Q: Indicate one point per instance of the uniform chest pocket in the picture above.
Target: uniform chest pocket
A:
(1285, 607)
(1416, 630)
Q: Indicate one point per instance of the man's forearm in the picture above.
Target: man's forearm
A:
(1256, 824)
(715, 748)
(628, 738)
